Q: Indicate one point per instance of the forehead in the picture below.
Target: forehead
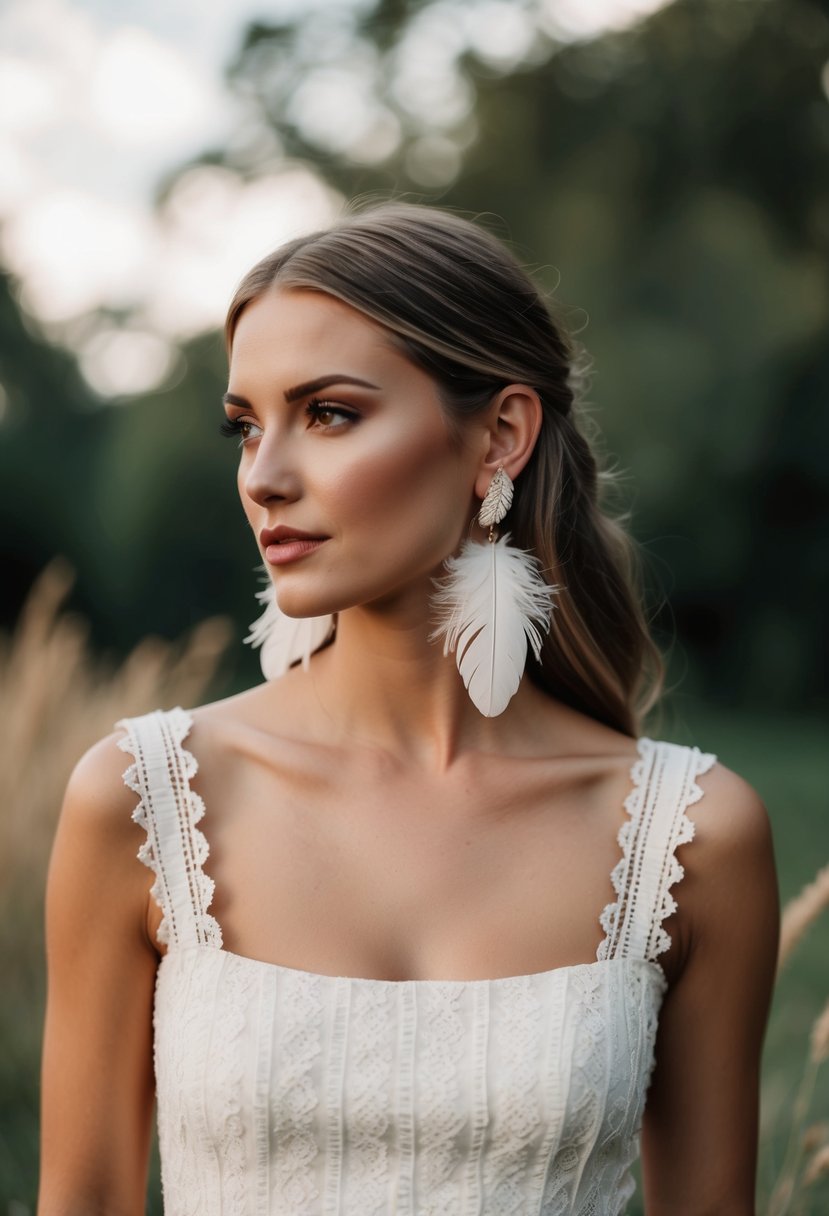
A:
(287, 324)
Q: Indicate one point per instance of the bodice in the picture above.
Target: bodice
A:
(282, 1091)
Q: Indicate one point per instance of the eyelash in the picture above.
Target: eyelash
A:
(235, 426)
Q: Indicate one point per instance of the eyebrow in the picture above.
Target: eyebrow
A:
(305, 390)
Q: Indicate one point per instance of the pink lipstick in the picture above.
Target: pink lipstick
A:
(283, 544)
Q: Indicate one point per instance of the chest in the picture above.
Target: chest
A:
(318, 1093)
(359, 868)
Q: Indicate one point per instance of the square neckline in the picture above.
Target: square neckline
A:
(182, 722)
(297, 973)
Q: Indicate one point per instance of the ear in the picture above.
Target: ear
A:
(513, 423)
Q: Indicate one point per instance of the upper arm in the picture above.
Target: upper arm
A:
(97, 1080)
(701, 1118)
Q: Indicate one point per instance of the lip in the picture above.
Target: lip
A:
(284, 544)
(282, 533)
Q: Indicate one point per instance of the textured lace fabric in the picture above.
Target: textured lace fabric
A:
(286, 1093)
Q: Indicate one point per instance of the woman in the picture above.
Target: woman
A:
(444, 927)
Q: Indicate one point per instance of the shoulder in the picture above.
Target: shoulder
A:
(730, 883)
(725, 811)
(95, 849)
(97, 794)
(730, 817)
(103, 787)
(96, 838)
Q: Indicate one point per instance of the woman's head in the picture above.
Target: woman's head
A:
(347, 440)
(451, 308)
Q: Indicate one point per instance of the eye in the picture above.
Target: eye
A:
(321, 411)
(236, 426)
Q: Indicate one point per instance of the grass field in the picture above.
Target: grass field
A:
(55, 700)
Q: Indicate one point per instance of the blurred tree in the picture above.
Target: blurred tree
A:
(48, 436)
(140, 496)
(669, 182)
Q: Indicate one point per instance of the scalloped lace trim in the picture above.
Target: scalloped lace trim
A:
(147, 853)
(682, 832)
(612, 911)
(181, 764)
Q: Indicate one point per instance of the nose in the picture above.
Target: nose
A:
(272, 473)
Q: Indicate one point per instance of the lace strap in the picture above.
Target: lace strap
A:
(664, 779)
(175, 849)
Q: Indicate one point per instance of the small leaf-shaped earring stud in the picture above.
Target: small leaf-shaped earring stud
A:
(498, 499)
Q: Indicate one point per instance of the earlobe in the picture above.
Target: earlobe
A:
(516, 420)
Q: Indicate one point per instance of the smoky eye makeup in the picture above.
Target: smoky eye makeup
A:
(316, 410)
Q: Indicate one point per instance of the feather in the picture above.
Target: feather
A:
(285, 639)
(491, 603)
(498, 499)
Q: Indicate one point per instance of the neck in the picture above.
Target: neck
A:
(384, 684)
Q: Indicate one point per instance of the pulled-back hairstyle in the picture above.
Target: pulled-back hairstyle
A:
(462, 308)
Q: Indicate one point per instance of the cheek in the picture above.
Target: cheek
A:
(396, 476)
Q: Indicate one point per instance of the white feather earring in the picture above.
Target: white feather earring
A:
(285, 639)
(492, 601)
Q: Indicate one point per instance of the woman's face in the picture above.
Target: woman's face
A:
(370, 466)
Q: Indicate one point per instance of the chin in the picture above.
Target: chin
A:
(303, 607)
(301, 611)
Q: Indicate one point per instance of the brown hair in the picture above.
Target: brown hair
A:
(462, 308)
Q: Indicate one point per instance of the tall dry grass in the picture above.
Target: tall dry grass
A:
(56, 699)
(806, 1158)
(801, 912)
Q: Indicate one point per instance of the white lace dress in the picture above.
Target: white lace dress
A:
(286, 1093)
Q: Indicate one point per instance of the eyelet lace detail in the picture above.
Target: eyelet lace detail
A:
(443, 1115)
(518, 1119)
(234, 999)
(175, 848)
(664, 785)
(296, 1097)
(372, 1029)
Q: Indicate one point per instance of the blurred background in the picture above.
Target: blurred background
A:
(663, 169)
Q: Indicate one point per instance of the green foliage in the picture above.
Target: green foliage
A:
(46, 446)
(668, 182)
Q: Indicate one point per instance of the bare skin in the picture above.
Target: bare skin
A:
(365, 820)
